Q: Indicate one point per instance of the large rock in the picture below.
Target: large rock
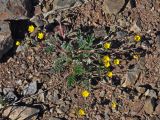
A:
(21, 113)
(113, 6)
(15, 9)
(6, 41)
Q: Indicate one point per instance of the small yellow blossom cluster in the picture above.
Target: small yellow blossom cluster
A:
(106, 61)
(31, 29)
(40, 35)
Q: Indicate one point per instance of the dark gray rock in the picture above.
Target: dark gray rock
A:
(30, 88)
(121, 34)
(15, 9)
(113, 6)
(6, 41)
(10, 96)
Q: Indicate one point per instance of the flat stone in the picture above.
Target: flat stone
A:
(15, 9)
(21, 113)
(6, 41)
(113, 6)
(30, 89)
(131, 76)
(60, 4)
(149, 106)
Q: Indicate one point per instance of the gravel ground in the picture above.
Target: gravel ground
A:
(29, 86)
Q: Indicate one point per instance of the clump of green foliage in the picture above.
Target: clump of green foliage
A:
(74, 56)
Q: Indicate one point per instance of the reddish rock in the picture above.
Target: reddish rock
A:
(15, 9)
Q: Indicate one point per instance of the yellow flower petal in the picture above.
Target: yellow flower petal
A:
(107, 64)
(81, 112)
(116, 61)
(110, 74)
(107, 45)
(30, 28)
(85, 93)
(40, 35)
(114, 104)
(18, 43)
(137, 38)
(106, 58)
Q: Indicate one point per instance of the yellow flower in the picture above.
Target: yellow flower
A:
(137, 38)
(116, 61)
(18, 43)
(30, 28)
(107, 45)
(81, 112)
(107, 64)
(110, 74)
(136, 56)
(40, 35)
(114, 104)
(85, 93)
(106, 58)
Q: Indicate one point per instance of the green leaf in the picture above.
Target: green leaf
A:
(60, 63)
(79, 70)
(49, 49)
(70, 80)
(67, 46)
